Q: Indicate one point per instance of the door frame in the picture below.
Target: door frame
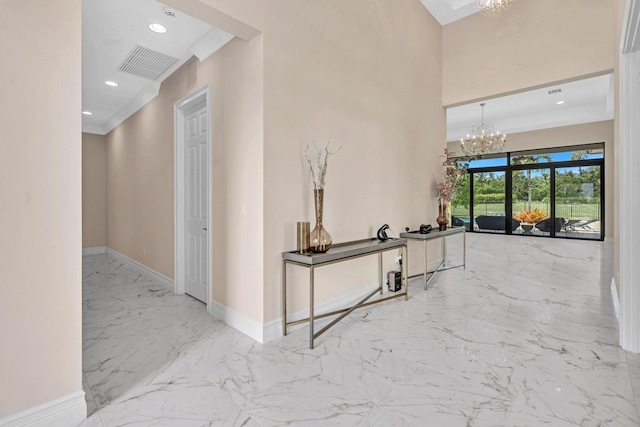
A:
(204, 93)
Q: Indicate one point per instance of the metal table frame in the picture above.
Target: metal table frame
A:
(339, 253)
(436, 234)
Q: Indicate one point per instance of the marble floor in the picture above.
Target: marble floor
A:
(525, 336)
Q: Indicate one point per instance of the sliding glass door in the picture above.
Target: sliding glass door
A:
(554, 192)
(489, 201)
(531, 201)
(578, 191)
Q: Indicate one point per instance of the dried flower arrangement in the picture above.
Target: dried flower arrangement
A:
(453, 170)
(317, 161)
(531, 216)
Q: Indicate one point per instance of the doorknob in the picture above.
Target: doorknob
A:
(204, 229)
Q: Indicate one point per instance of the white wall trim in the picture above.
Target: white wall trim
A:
(237, 320)
(210, 43)
(69, 410)
(616, 299)
(158, 276)
(628, 168)
(97, 250)
(630, 38)
(430, 267)
(265, 332)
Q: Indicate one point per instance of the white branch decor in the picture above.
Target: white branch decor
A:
(317, 160)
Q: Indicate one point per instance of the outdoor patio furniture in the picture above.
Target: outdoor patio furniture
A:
(456, 222)
(545, 225)
(495, 222)
(572, 224)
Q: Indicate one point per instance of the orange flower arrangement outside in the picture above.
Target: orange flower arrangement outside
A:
(531, 216)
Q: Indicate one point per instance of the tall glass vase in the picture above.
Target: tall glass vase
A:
(442, 219)
(319, 239)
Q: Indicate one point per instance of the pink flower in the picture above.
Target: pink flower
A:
(453, 169)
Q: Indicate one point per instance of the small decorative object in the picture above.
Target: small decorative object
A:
(303, 237)
(382, 233)
(526, 228)
(319, 239)
(394, 280)
(453, 170)
(530, 217)
(425, 229)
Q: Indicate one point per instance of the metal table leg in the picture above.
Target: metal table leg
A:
(380, 272)
(426, 265)
(404, 268)
(311, 302)
(464, 250)
(284, 298)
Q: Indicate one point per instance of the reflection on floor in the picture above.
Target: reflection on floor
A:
(525, 336)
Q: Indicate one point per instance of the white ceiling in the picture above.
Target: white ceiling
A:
(447, 11)
(585, 101)
(110, 30)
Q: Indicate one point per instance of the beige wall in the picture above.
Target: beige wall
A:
(140, 176)
(534, 43)
(237, 269)
(335, 71)
(588, 133)
(40, 218)
(94, 191)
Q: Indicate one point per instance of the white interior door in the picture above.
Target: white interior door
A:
(196, 200)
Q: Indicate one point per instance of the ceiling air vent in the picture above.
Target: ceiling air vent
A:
(192, 73)
(146, 63)
(554, 91)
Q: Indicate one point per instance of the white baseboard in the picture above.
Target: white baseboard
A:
(420, 270)
(273, 328)
(95, 250)
(159, 276)
(70, 410)
(237, 320)
(616, 298)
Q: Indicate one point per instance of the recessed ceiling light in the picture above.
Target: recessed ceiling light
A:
(157, 28)
(87, 113)
(560, 102)
(110, 83)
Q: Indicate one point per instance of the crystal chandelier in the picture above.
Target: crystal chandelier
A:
(493, 7)
(483, 140)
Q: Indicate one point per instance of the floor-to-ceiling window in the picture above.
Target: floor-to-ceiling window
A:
(550, 192)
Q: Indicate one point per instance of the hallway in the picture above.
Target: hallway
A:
(526, 335)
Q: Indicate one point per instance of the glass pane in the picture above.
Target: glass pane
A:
(488, 202)
(530, 197)
(530, 159)
(578, 201)
(535, 157)
(488, 162)
(460, 204)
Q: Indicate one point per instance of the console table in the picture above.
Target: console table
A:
(436, 234)
(339, 253)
